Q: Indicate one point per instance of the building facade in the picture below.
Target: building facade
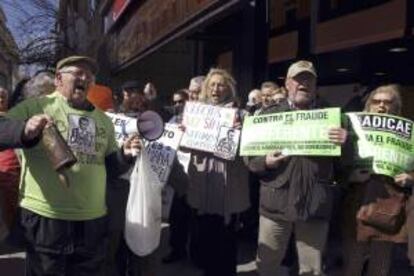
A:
(354, 44)
(8, 55)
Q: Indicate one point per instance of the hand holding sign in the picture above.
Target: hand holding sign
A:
(404, 179)
(132, 146)
(337, 135)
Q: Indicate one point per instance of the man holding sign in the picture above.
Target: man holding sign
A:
(294, 194)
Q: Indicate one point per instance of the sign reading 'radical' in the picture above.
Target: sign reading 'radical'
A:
(385, 140)
(293, 133)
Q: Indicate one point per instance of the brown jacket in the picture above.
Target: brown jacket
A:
(379, 187)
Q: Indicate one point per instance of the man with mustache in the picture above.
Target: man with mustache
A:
(65, 228)
(294, 192)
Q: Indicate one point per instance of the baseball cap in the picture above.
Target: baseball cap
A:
(78, 59)
(300, 67)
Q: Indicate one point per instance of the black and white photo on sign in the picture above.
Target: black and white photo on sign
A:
(227, 143)
(82, 134)
(161, 153)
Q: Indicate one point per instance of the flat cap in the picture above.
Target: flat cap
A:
(78, 59)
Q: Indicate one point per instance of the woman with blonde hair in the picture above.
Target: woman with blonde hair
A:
(364, 243)
(218, 191)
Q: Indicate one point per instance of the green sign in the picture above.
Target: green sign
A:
(302, 132)
(385, 140)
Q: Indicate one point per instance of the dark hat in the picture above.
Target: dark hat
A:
(78, 59)
(132, 84)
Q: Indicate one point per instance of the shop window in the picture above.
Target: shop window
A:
(75, 6)
(92, 7)
(329, 9)
(285, 15)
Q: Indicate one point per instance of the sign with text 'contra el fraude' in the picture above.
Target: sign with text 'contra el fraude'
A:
(303, 132)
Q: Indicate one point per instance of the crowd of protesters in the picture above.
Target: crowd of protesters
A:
(78, 229)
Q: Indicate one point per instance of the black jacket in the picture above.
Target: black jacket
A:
(11, 131)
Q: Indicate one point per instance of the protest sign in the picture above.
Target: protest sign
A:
(203, 124)
(123, 126)
(161, 152)
(227, 143)
(303, 132)
(184, 159)
(385, 140)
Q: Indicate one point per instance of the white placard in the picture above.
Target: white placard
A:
(203, 124)
(161, 152)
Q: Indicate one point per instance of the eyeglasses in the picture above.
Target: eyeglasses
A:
(378, 102)
(178, 102)
(79, 74)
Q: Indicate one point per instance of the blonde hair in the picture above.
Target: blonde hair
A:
(391, 89)
(229, 80)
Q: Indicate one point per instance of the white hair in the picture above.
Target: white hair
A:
(40, 85)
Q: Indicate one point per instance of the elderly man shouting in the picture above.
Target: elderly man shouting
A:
(65, 227)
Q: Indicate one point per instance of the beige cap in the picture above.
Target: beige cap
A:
(300, 67)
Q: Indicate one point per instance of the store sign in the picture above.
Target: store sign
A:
(150, 23)
(118, 7)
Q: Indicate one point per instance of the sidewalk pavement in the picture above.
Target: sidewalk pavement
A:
(12, 263)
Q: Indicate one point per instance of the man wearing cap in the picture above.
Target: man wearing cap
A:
(294, 193)
(65, 228)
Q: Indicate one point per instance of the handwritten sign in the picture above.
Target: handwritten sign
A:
(161, 152)
(203, 124)
(123, 125)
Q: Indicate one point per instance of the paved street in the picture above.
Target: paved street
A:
(12, 263)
